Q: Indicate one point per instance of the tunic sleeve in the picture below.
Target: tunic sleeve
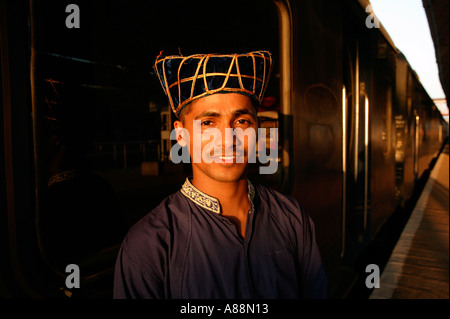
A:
(141, 270)
(133, 282)
(301, 234)
(313, 277)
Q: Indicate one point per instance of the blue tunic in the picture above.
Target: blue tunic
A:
(185, 248)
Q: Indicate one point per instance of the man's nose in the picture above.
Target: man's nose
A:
(228, 139)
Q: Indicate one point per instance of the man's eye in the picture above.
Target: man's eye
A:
(242, 122)
(206, 123)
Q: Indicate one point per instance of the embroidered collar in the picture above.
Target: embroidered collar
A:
(209, 202)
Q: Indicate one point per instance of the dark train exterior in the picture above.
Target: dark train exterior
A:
(357, 129)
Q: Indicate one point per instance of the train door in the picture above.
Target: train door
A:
(86, 134)
(382, 134)
(317, 129)
(407, 109)
(402, 141)
(420, 119)
(357, 63)
(369, 80)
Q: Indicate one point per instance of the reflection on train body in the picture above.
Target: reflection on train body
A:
(87, 128)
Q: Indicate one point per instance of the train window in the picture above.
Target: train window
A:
(104, 133)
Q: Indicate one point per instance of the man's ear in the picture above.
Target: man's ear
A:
(180, 132)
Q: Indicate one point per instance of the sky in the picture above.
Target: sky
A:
(406, 23)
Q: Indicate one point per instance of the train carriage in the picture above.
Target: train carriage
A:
(357, 130)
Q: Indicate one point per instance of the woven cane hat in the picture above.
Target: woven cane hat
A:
(187, 78)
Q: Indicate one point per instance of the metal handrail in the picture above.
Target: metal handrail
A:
(286, 79)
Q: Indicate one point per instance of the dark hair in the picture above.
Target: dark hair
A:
(185, 111)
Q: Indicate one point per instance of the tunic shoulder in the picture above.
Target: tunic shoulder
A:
(143, 264)
(151, 236)
(281, 204)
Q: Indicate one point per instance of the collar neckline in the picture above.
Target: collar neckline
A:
(208, 202)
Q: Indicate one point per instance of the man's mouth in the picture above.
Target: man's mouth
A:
(225, 158)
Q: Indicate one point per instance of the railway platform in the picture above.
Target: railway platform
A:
(418, 267)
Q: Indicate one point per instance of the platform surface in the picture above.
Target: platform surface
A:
(418, 266)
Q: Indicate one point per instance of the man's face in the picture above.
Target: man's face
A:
(220, 158)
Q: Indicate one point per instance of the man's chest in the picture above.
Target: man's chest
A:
(222, 264)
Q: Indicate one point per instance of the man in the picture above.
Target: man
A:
(219, 236)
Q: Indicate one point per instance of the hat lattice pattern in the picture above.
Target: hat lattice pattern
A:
(187, 78)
